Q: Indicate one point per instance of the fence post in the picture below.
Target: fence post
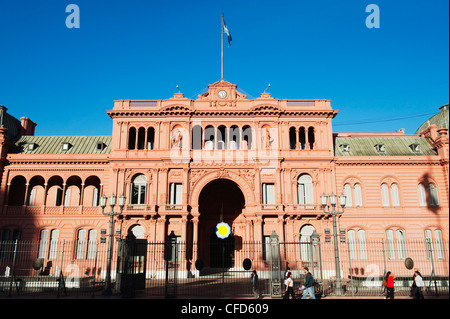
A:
(275, 280)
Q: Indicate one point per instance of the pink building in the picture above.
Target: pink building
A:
(259, 164)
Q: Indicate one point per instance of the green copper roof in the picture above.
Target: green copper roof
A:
(440, 119)
(392, 146)
(54, 145)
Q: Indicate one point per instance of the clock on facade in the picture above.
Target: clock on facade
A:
(222, 94)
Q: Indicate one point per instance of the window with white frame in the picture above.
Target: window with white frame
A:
(358, 194)
(351, 244)
(357, 246)
(305, 192)
(139, 190)
(86, 247)
(401, 243)
(268, 194)
(429, 244)
(385, 195)
(439, 244)
(434, 199)
(390, 244)
(394, 195)
(362, 244)
(307, 251)
(435, 245)
(175, 193)
(48, 241)
(348, 195)
(422, 195)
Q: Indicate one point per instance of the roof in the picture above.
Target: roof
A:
(54, 145)
(393, 146)
(440, 119)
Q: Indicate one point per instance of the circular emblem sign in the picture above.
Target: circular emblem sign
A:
(409, 263)
(223, 230)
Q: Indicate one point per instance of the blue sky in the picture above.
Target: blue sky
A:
(66, 79)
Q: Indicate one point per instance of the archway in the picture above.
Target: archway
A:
(220, 200)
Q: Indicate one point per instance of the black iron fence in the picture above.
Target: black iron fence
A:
(218, 269)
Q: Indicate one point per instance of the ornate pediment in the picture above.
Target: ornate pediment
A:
(222, 94)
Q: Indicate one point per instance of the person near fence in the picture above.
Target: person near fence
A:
(309, 284)
(389, 280)
(418, 280)
(289, 286)
(255, 284)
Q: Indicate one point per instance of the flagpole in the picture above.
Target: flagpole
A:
(221, 37)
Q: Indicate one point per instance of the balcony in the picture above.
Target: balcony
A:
(51, 210)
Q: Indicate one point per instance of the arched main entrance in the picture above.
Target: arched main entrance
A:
(220, 200)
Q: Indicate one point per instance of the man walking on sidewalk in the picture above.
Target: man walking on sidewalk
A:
(309, 284)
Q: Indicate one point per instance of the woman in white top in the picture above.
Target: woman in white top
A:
(418, 280)
(289, 286)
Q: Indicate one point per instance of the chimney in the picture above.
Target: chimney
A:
(27, 126)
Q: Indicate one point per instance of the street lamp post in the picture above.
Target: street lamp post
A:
(112, 202)
(333, 212)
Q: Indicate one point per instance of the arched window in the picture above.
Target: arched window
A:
(422, 195)
(351, 243)
(17, 191)
(247, 138)
(209, 137)
(84, 244)
(439, 244)
(401, 243)
(221, 138)
(362, 244)
(302, 138)
(307, 253)
(395, 195)
(384, 195)
(49, 244)
(141, 139)
(292, 138)
(197, 137)
(132, 138)
(305, 193)
(139, 190)
(311, 137)
(348, 195)
(390, 243)
(150, 138)
(81, 242)
(358, 195)
(234, 138)
(434, 199)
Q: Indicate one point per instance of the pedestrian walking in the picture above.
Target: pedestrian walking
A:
(389, 279)
(418, 280)
(309, 284)
(289, 287)
(255, 284)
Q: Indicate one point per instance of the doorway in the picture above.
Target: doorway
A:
(220, 200)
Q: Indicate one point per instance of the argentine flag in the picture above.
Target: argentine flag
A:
(225, 29)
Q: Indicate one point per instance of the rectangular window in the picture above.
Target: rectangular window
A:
(268, 194)
(175, 194)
